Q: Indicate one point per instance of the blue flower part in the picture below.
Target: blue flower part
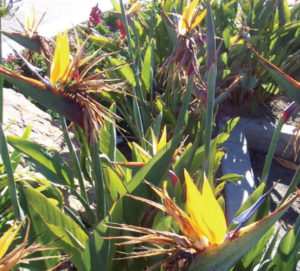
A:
(246, 215)
(11, 2)
(175, 17)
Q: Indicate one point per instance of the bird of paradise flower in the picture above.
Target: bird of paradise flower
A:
(67, 91)
(204, 228)
(185, 55)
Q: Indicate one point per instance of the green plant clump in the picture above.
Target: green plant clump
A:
(151, 73)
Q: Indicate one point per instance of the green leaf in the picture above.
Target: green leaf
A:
(286, 256)
(98, 179)
(99, 253)
(125, 71)
(156, 169)
(108, 137)
(104, 42)
(183, 160)
(51, 221)
(222, 257)
(231, 177)
(31, 43)
(50, 164)
(249, 82)
(290, 86)
(226, 37)
(267, 258)
(49, 97)
(114, 184)
(147, 69)
(9, 171)
(17, 156)
(254, 255)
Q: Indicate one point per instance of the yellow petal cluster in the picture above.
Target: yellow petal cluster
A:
(61, 60)
(158, 145)
(205, 212)
(30, 21)
(8, 237)
(190, 18)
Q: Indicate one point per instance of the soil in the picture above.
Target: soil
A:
(270, 109)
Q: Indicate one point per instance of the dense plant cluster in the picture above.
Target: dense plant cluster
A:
(151, 75)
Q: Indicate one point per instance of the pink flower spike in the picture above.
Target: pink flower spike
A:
(94, 18)
(121, 28)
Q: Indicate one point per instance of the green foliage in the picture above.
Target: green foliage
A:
(151, 63)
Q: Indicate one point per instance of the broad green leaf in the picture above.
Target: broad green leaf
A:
(290, 86)
(249, 82)
(105, 43)
(231, 177)
(255, 254)
(31, 43)
(114, 184)
(147, 69)
(222, 257)
(125, 71)
(286, 256)
(100, 252)
(50, 163)
(108, 138)
(183, 161)
(98, 180)
(226, 37)
(9, 171)
(293, 184)
(51, 221)
(156, 169)
(283, 12)
(266, 259)
(17, 156)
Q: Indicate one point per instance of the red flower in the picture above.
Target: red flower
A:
(121, 28)
(94, 18)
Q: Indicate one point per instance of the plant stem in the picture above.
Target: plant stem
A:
(1, 77)
(271, 151)
(137, 113)
(75, 159)
(99, 180)
(9, 171)
(211, 85)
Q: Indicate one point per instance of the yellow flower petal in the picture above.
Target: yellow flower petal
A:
(61, 59)
(195, 207)
(30, 20)
(196, 21)
(157, 146)
(184, 222)
(8, 237)
(143, 153)
(154, 142)
(213, 214)
(187, 16)
(163, 139)
(205, 211)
